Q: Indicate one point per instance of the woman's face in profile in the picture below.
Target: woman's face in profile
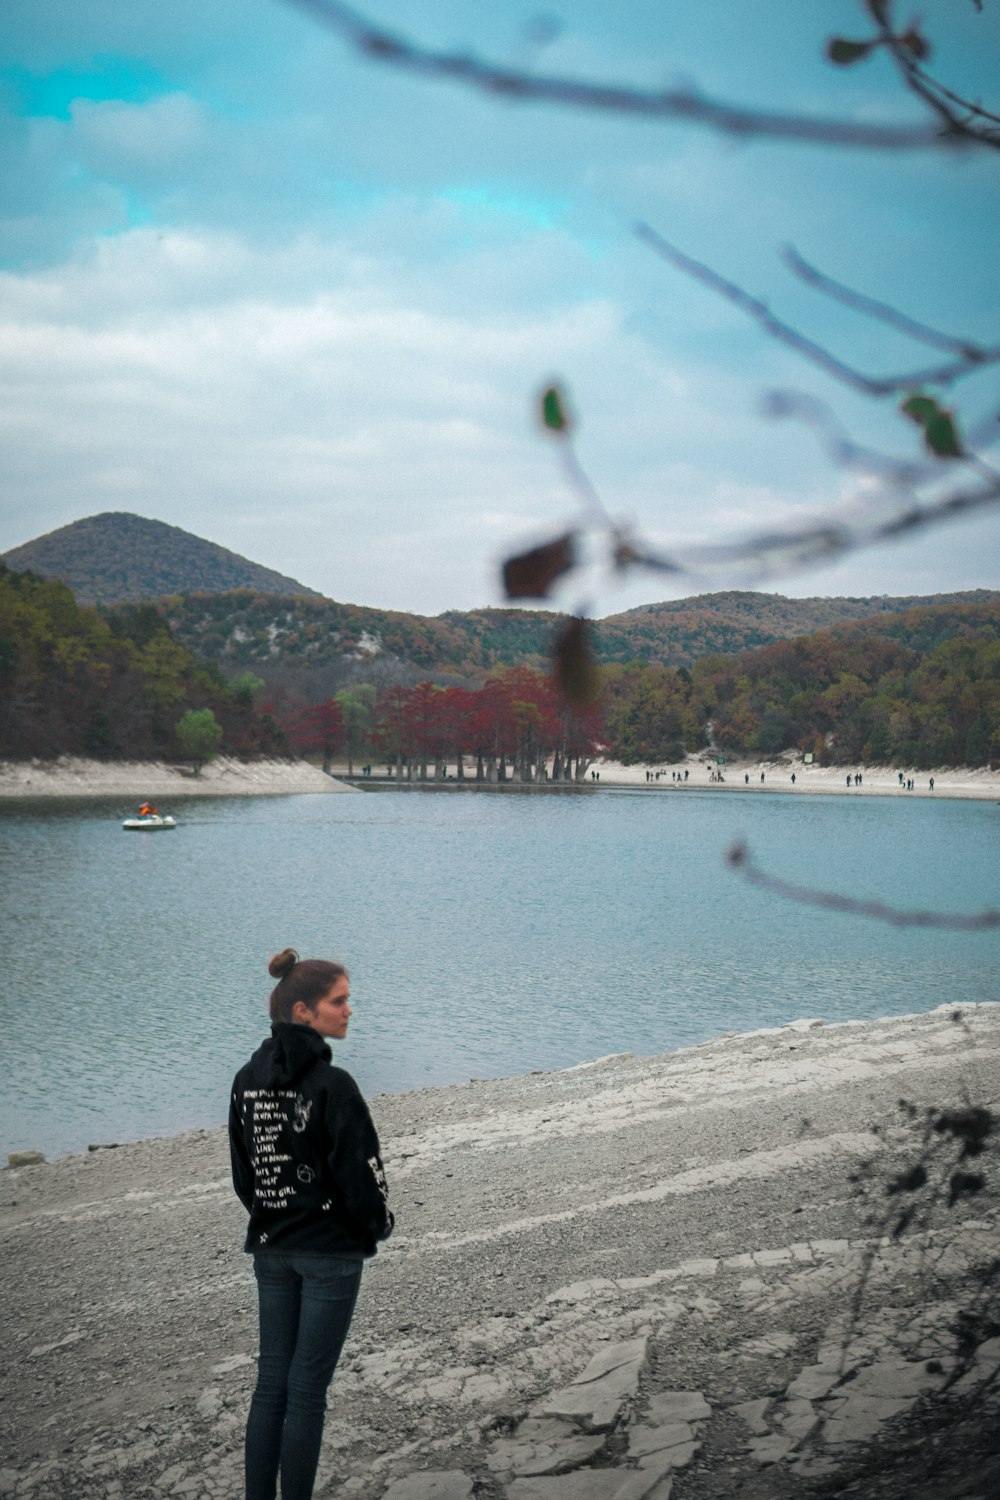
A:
(332, 1011)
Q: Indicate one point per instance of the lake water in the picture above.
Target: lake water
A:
(486, 934)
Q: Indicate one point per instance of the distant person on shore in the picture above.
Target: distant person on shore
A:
(307, 1167)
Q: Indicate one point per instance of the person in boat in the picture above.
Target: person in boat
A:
(148, 810)
(307, 1167)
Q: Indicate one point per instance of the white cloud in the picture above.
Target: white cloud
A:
(144, 142)
(305, 409)
(303, 306)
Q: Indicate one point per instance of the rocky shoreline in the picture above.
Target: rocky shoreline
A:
(636, 1279)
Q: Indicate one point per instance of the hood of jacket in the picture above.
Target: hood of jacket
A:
(289, 1051)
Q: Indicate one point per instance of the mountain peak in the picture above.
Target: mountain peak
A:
(117, 557)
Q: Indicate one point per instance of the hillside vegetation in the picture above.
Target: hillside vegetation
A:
(914, 682)
(77, 682)
(251, 630)
(920, 687)
(917, 689)
(118, 557)
(229, 610)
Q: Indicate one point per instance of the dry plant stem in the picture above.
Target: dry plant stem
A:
(681, 105)
(580, 481)
(770, 553)
(887, 385)
(975, 111)
(979, 125)
(945, 509)
(898, 473)
(921, 1177)
(739, 859)
(882, 311)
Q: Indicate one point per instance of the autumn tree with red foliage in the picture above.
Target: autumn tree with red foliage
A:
(513, 726)
(318, 730)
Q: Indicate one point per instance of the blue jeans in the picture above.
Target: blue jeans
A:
(306, 1303)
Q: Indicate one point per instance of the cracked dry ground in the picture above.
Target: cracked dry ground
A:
(634, 1279)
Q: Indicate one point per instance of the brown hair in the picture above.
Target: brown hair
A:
(305, 979)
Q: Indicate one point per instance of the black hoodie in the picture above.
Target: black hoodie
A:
(305, 1155)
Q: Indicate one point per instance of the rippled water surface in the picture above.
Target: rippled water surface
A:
(486, 934)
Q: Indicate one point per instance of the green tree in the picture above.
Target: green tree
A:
(246, 687)
(357, 708)
(199, 736)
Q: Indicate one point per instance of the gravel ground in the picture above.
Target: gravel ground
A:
(537, 1217)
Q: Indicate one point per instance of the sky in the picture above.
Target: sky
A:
(257, 286)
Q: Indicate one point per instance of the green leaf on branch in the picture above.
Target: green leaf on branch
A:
(920, 409)
(940, 429)
(843, 52)
(576, 671)
(554, 414)
(941, 436)
(530, 575)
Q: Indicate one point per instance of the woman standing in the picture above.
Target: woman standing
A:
(307, 1168)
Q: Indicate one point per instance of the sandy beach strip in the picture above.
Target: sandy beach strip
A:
(746, 776)
(71, 776)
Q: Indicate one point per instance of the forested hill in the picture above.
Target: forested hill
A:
(119, 558)
(918, 687)
(111, 684)
(682, 630)
(229, 610)
(264, 633)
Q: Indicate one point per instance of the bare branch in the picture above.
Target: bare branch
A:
(880, 310)
(978, 125)
(679, 105)
(887, 385)
(827, 540)
(975, 111)
(738, 858)
(894, 472)
(813, 543)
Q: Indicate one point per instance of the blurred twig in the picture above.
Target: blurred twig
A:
(881, 311)
(681, 104)
(957, 116)
(738, 858)
(887, 385)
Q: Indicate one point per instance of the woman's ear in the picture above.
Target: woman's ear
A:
(301, 1013)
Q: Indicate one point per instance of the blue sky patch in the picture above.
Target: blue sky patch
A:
(53, 94)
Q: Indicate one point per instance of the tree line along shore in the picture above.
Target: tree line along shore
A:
(918, 689)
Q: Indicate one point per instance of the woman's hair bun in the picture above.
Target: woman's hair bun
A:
(283, 963)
